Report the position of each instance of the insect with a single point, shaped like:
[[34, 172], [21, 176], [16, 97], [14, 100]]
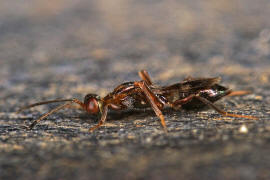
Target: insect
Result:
[[190, 93]]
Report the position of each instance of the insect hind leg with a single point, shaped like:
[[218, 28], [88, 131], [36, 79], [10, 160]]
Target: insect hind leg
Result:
[[220, 111], [239, 93]]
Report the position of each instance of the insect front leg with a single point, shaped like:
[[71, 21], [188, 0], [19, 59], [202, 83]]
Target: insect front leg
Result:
[[102, 119], [153, 100]]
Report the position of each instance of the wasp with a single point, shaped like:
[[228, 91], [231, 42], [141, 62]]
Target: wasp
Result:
[[188, 94]]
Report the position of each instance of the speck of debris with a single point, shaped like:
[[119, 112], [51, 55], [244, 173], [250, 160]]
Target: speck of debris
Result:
[[243, 129]]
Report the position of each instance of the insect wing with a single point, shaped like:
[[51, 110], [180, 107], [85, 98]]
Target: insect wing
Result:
[[192, 85]]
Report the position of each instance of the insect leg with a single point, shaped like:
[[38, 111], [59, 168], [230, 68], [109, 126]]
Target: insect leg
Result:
[[145, 77], [239, 93], [177, 104], [153, 100], [53, 110], [102, 119], [224, 113]]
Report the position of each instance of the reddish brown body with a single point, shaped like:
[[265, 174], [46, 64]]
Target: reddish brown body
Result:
[[190, 93]]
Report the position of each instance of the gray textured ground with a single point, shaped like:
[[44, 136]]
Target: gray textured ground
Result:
[[68, 49]]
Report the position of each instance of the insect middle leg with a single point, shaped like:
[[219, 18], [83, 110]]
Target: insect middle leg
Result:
[[153, 100], [145, 77]]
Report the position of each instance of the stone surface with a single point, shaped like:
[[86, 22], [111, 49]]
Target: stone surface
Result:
[[66, 50]]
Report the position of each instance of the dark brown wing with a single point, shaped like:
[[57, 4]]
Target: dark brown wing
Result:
[[192, 85]]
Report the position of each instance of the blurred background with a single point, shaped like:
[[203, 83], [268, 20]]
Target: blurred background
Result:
[[39, 30], [80, 39], [66, 48], [135, 32]]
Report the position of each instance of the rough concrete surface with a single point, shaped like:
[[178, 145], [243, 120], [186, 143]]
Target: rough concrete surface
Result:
[[67, 49]]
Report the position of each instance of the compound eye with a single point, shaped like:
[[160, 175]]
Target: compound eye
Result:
[[93, 106]]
